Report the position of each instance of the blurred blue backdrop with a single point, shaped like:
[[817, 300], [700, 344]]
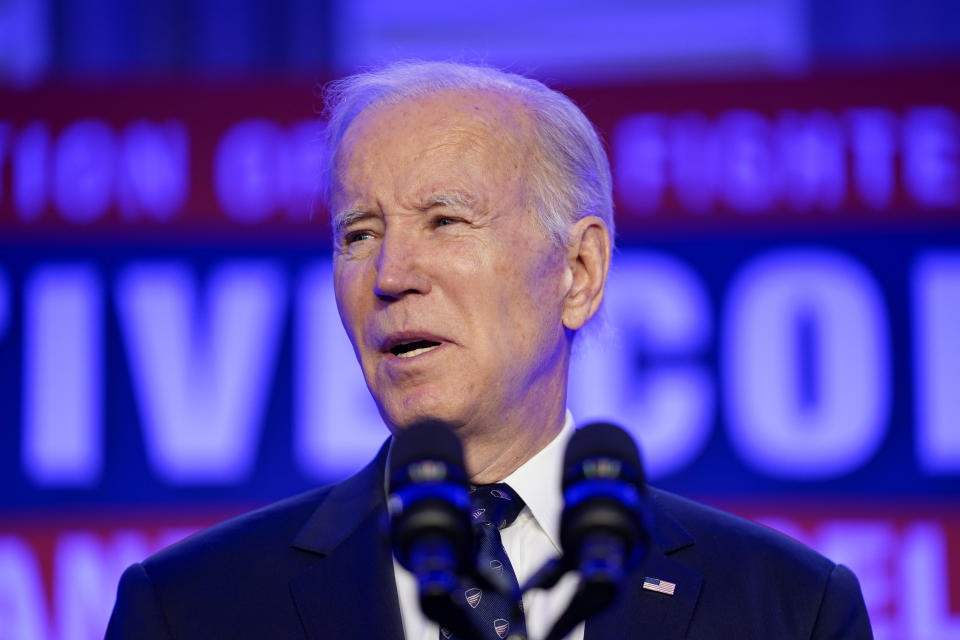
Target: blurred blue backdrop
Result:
[[783, 318]]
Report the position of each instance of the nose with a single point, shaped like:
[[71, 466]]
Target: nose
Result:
[[400, 267]]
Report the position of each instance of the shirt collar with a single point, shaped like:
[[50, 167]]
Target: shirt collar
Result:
[[537, 482]]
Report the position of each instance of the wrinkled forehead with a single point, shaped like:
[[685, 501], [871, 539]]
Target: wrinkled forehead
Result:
[[491, 126]]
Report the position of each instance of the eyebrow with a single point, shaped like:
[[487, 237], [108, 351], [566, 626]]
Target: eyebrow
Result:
[[455, 198], [347, 217]]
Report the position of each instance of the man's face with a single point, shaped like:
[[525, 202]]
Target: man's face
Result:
[[449, 289]]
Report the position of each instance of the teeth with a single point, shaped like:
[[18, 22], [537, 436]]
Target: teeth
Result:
[[414, 352]]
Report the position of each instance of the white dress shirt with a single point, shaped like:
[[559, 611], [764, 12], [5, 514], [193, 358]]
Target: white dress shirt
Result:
[[532, 539]]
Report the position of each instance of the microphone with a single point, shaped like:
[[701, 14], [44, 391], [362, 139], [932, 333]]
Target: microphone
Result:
[[429, 508], [603, 528]]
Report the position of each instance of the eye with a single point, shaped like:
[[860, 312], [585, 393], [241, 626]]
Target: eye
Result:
[[356, 236], [443, 221]]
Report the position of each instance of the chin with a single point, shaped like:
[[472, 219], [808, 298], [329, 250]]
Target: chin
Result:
[[411, 410]]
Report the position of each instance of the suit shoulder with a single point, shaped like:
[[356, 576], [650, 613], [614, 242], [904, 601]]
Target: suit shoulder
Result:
[[726, 538], [779, 587], [263, 541], [243, 535]]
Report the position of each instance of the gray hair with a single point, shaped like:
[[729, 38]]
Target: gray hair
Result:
[[573, 180]]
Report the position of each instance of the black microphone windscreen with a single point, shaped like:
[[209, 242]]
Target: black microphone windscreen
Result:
[[604, 440], [603, 527], [426, 440]]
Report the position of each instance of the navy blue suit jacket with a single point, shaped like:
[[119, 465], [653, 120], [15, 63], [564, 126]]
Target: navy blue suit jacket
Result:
[[318, 566]]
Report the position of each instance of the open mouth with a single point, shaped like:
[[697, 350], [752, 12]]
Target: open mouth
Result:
[[414, 348]]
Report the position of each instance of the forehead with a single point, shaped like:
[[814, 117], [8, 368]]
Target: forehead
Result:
[[444, 133]]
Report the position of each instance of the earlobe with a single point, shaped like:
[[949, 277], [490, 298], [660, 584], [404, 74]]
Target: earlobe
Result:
[[588, 257]]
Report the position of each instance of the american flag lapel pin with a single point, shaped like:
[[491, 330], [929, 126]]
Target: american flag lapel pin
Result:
[[658, 585]]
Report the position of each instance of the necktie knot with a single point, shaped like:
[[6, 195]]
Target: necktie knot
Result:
[[494, 504]]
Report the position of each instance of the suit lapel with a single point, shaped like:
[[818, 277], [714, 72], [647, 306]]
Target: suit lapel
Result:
[[350, 591], [640, 612]]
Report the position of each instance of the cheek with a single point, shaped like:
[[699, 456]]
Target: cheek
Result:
[[347, 292], [340, 293], [534, 297], [543, 275]]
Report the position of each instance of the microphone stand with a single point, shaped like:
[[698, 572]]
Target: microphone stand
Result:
[[433, 564], [601, 574]]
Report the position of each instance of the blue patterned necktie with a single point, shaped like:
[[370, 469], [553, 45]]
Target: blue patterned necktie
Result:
[[493, 507]]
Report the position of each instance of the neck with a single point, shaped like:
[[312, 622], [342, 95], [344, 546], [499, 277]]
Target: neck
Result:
[[497, 445], [492, 456]]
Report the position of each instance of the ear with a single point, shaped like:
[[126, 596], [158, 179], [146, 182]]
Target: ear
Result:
[[588, 259]]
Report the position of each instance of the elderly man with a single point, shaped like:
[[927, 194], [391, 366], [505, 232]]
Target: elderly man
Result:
[[472, 224]]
